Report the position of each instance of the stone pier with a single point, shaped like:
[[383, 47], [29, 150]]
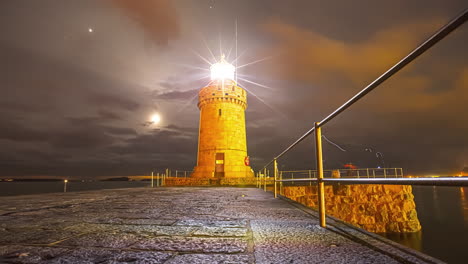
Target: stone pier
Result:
[[182, 225]]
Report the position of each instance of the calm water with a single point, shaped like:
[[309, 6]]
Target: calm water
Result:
[[443, 212], [19, 188]]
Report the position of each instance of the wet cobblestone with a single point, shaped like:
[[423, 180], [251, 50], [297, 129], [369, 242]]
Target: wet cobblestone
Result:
[[181, 225]]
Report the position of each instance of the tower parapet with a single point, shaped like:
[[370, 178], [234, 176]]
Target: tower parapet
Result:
[[226, 90]]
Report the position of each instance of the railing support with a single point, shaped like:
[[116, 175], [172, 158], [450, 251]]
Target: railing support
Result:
[[152, 179], [281, 183], [275, 174], [320, 184], [265, 179]]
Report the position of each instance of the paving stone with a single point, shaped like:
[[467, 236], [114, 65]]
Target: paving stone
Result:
[[211, 259], [220, 231], [194, 244], [34, 236], [25, 254], [215, 223], [106, 240], [153, 230], [148, 221], [110, 256]]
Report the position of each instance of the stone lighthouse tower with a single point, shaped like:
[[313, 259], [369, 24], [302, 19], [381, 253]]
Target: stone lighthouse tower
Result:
[[222, 143]]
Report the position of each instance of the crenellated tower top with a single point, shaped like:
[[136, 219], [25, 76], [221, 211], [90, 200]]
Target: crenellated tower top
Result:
[[222, 87]]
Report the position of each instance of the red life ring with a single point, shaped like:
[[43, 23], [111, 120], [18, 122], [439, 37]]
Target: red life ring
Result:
[[247, 161]]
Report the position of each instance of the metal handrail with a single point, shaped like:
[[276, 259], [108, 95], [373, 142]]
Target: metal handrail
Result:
[[442, 181], [431, 41], [361, 172]]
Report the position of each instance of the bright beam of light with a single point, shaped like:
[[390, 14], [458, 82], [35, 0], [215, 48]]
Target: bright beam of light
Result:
[[208, 48], [191, 67], [189, 102], [253, 62], [220, 45], [261, 100], [229, 53], [201, 57], [236, 59], [334, 144], [200, 78], [261, 85]]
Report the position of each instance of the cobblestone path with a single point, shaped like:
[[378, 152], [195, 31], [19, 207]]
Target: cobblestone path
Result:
[[181, 225]]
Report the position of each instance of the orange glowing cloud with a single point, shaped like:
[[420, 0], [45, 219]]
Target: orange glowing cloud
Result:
[[314, 58], [310, 55], [156, 17]]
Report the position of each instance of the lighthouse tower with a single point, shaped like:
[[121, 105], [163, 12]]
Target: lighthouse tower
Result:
[[222, 143]]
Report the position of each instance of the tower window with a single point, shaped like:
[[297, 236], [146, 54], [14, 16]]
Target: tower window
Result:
[[227, 94], [219, 112]]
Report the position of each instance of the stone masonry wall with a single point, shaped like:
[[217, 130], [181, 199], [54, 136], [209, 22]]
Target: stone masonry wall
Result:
[[173, 181], [375, 208], [222, 130]]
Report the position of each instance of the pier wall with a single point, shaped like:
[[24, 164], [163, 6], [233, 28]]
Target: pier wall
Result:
[[193, 181], [375, 208]]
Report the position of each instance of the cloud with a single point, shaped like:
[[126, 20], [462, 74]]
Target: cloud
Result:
[[14, 131], [177, 95], [157, 17], [308, 55], [113, 100]]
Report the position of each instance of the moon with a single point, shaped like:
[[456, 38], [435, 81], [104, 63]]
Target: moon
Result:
[[155, 118]]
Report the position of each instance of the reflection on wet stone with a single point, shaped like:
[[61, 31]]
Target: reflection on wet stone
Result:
[[173, 225]]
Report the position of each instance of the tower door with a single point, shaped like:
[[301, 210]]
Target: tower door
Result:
[[219, 165]]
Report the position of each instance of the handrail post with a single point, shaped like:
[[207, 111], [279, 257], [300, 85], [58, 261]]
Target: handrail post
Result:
[[281, 183], [265, 179], [152, 179], [256, 180], [275, 175], [320, 184], [260, 179]]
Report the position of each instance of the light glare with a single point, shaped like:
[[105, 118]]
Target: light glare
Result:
[[222, 70], [155, 118]]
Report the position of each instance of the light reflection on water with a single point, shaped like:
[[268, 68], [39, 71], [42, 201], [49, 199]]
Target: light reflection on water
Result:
[[443, 213], [464, 206]]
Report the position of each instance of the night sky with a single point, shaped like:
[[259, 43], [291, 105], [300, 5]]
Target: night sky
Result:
[[80, 79]]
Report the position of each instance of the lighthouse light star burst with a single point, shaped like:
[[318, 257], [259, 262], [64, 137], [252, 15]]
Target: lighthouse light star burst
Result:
[[222, 70]]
